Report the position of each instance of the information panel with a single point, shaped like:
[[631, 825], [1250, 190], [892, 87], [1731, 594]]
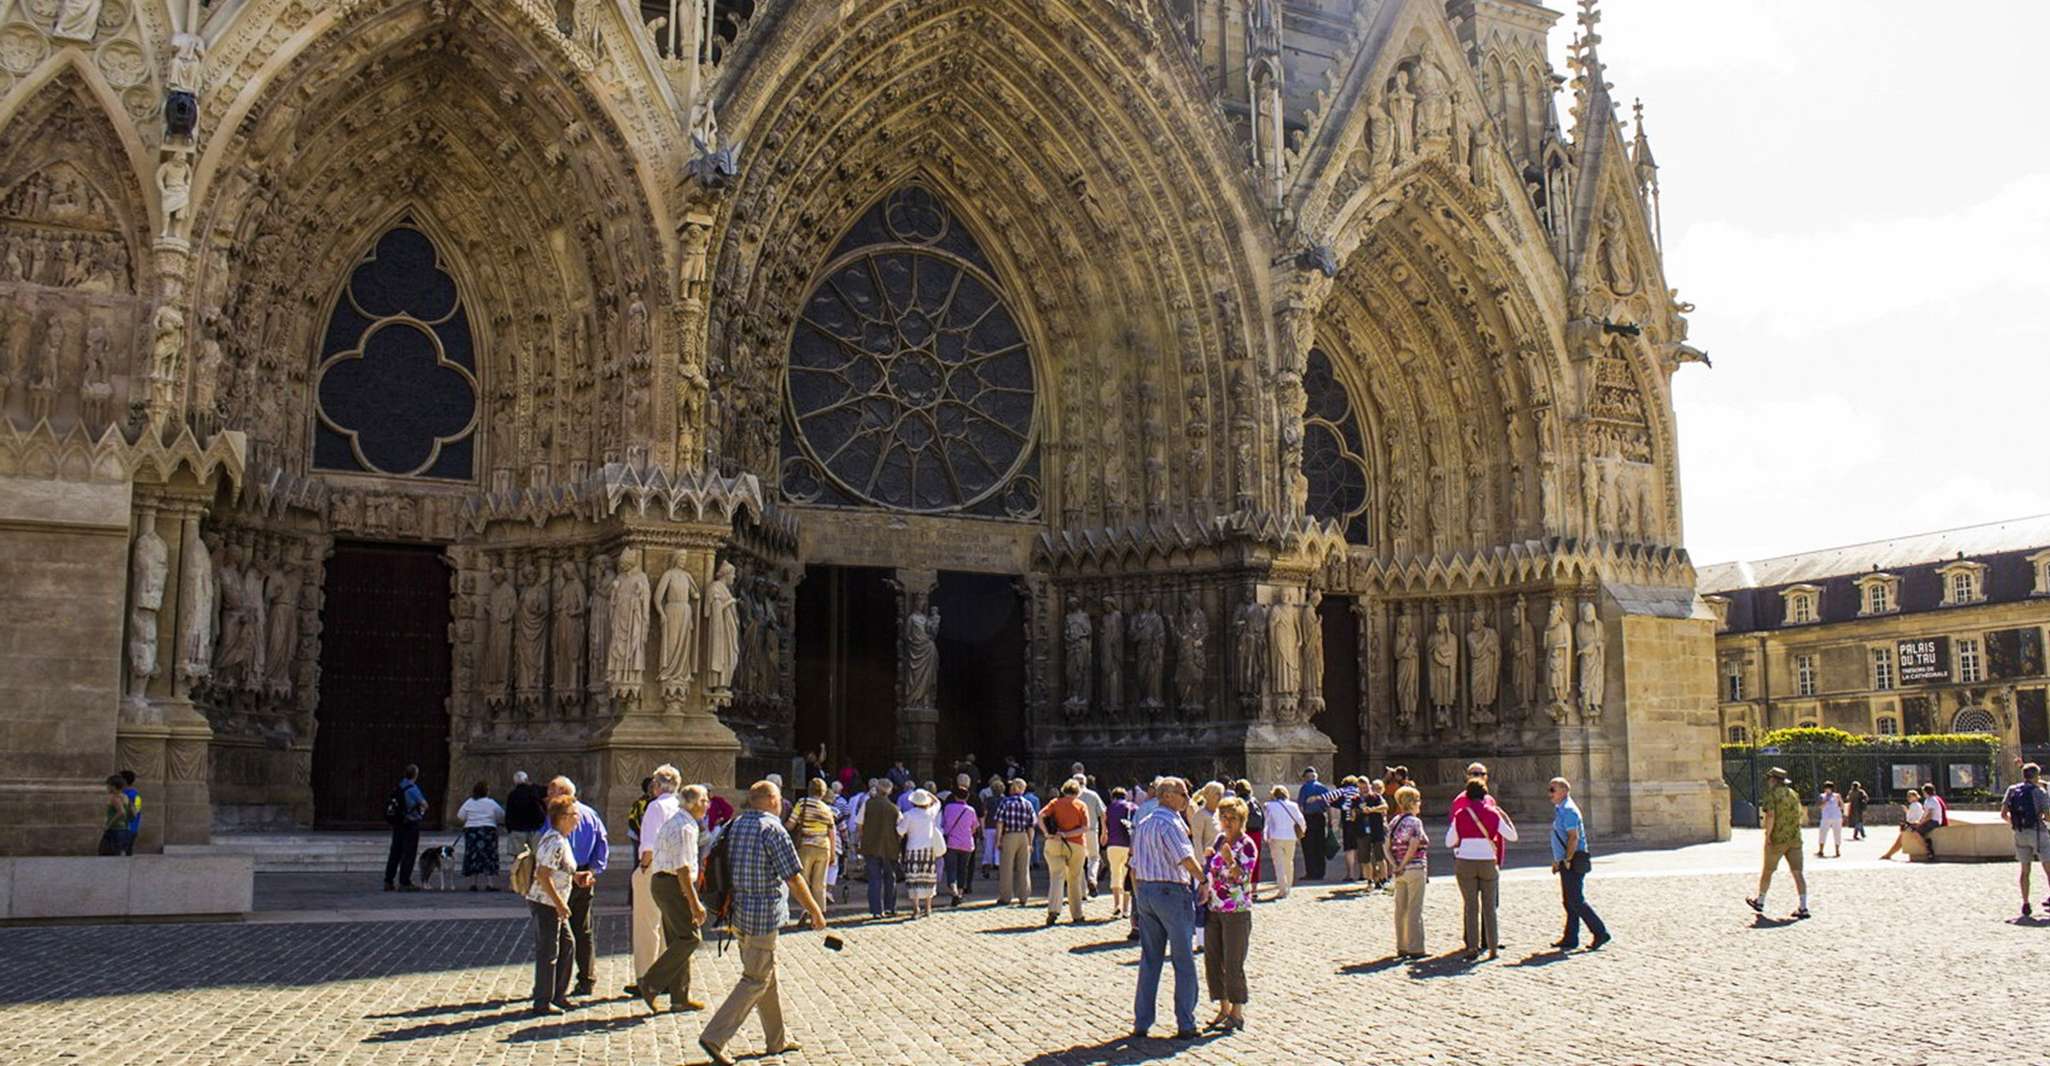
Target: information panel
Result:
[[1924, 660]]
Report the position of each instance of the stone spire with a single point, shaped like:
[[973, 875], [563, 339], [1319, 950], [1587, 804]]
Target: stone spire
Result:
[[1647, 172]]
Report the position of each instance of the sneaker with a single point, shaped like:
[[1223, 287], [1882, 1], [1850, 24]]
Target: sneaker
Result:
[[1757, 905]]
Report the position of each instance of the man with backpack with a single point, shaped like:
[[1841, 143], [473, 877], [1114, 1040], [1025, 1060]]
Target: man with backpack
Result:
[[403, 811], [762, 872], [2024, 807]]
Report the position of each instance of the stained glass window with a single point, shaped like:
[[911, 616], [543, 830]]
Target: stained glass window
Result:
[[1334, 454], [396, 388], [910, 385]]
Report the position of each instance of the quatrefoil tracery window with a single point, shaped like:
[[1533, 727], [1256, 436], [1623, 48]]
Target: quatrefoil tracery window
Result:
[[910, 385], [395, 392], [1334, 456]]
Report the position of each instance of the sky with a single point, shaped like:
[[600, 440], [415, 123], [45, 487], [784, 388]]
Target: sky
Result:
[[1856, 196]]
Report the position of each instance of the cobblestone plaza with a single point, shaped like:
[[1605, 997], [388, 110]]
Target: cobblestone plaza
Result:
[[1901, 964]]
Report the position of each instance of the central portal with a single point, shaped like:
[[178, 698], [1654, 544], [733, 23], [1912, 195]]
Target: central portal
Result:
[[384, 666]]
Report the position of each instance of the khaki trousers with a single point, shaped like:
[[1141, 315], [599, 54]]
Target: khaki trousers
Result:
[[1064, 867], [1409, 911], [670, 972], [646, 921], [1014, 868], [756, 988], [1480, 888], [815, 860], [1282, 852]]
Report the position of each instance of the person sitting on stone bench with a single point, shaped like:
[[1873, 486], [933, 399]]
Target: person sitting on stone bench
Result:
[[1935, 815], [1911, 820]]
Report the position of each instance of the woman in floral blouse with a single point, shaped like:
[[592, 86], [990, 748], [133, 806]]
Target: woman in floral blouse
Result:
[[1232, 870]]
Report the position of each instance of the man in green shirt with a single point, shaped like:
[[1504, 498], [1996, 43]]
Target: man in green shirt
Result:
[[1781, 812]]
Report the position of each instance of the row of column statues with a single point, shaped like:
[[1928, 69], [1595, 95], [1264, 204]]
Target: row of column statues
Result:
[[549, 630], [1438, 658], [1276, 649]]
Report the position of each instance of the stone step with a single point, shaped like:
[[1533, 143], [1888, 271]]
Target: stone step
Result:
[[307, 852]]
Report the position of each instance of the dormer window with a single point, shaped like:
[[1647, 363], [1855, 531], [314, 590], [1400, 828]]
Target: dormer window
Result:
[[1878, 594], [1803, 604], [2039, 564], [1963, 582]]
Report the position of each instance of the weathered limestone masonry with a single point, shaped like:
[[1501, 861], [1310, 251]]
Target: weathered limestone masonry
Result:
[[487, 384]]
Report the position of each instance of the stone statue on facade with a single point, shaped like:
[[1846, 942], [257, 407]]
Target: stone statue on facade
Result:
[[232, 649], [1617, 270], [196, 594], [1110, 645], [174, 185], [149, 570], [1249, 647], [921, 656], [1593, 645], [77, 20], [281, 594], [571, 605], [1522, 655], [1433, 106], [256, 627], [1558, 660], [638, 342], [501, 611], [676, 599], [1284, 648], [599, 627], [1076, 640], [533, 634], [1407, 664], [185, 71], [1312, 627], [1149, 657], [626, 655], [1444, 650], [1192, 633], [722, 630], [95, 391], [1402, 105], [42, 371], [1484, 666]]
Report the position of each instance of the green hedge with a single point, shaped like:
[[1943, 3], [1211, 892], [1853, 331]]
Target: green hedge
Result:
[[1832, 740], [1832, 754]]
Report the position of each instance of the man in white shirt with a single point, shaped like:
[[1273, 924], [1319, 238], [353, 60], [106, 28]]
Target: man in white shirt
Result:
[[1285, 827], [1092, 862], [673, 886], [647, 922]]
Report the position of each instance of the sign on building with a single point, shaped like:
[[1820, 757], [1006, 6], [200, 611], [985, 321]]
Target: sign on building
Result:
[[1923, 661]]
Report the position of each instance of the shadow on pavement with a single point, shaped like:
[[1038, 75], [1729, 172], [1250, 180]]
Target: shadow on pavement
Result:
[[1542, 958], [1106, 945], [430, 1030], [1120, 1051], [570, 1026], [449, 1008], [1376, 966]]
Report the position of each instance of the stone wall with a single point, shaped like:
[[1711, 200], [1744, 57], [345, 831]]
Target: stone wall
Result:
[[1666, 677]]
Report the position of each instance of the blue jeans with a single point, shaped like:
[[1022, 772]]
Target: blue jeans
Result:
[[882, 886], [1166, 914], [1573, 893]]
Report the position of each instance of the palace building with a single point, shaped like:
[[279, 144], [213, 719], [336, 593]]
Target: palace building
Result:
[[1933, 633], [579, 385]]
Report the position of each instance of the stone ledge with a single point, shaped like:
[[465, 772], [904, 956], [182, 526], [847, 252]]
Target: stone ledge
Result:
[[125, 887]]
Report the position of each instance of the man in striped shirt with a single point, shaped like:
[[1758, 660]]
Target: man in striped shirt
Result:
[[1164, 867]]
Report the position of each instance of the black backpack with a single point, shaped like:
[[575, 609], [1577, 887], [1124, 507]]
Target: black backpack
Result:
[[1256, 819], [2022, 811], [715, 890], [395, 806]]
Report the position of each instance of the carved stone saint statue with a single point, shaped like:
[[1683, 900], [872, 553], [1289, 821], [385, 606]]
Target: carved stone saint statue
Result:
[[1484, 666], [533, 633], [921, 657], [196, 594], [1522, 655], [1110, 644], [95, 391], [1285, 649], [1076, 631], [1402, 115], [676, 597], [1192, 632], [281, 595], [174, 182], [722, 629], [638, 342], [1593, 657], [1434, 103], [501, 609], [1444, 648], [185, 73], [1249, 646], [255, 632], [626, 646], [149, 568], [1558, 659], [1313, 656], [567, 647], [1149, 657], [232, 650], [600, 615], [76, 20], [1406, 669]]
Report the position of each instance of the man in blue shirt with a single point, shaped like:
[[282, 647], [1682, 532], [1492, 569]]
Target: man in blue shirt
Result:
[[404, 810], [134, 797], [587, 845], [765, 872], [1315, 811], [1571, 861]]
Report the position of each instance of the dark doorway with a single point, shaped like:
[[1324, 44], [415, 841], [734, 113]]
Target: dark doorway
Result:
[[1341, 718], [384, 673], [982, 670], [847, 666]]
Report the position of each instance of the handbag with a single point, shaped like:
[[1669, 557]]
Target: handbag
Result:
[[1332, 846]]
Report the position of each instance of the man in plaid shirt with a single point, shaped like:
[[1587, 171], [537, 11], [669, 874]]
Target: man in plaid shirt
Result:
[[765, 868], [1016, 819]]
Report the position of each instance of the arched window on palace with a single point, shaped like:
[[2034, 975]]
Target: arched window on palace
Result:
[[395, 391], [1973, 720], [1334, 452], [910, 384]]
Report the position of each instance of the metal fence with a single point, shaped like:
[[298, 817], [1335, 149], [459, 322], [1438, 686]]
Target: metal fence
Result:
[[1961, 775]]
